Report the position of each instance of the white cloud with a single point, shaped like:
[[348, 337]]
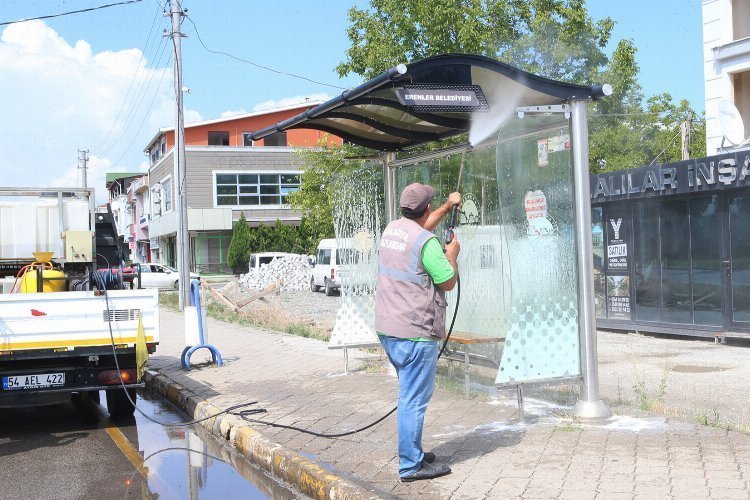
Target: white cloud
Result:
[[289, 101], [233, 112], [58, 97]]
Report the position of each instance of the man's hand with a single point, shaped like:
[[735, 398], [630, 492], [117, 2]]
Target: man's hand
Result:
[[454, 199], [452, 250]]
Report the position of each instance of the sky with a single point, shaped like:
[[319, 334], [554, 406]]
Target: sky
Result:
[[102, 81]]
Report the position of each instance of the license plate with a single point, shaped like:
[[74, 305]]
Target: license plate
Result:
[[40, 381]]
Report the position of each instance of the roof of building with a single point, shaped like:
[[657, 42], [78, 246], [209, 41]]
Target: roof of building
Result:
[[374, 115], [239, 116], [113, 176]]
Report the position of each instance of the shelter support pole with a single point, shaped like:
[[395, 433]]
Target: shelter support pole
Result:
[[389, 181], [590, 405]]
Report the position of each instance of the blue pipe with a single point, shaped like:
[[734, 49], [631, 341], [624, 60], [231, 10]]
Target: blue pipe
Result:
[[195, 300]]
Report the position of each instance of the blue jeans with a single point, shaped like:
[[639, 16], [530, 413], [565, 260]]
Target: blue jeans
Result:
[[415, 364]]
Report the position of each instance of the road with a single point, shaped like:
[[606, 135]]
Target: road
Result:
[[68, 451]]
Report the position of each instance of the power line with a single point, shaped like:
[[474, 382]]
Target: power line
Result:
[[256, 64], [71, 12], [132, 80], [145, 117], [141, 93], [132, 113]]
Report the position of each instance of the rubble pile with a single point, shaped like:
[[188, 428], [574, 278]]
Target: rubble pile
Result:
[[294, 272]]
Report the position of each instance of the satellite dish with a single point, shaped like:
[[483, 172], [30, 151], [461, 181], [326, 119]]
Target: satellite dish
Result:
[[730, 121]]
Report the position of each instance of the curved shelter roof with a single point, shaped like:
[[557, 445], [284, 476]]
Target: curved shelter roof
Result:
[[372, 114]]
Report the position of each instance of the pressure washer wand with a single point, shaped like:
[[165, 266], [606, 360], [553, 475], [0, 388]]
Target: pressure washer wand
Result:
[[453, 222]]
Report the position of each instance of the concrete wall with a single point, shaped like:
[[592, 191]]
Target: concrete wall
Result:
[[725, 56]]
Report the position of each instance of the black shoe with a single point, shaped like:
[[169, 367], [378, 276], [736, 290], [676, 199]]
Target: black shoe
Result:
[[429, 457], [428, 471]]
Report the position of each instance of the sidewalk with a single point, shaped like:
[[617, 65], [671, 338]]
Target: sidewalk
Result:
[[299, 382]]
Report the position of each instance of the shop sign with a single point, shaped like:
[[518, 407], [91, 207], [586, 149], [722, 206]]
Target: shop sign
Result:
[[154, 243], [699, 175], [617, 243], [618, 297], [443, 98]]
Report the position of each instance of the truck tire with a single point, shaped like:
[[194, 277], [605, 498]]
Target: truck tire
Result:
[[118, 404], [313, 286], [328, 288]]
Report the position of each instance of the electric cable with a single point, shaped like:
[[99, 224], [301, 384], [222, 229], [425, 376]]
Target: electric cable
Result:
[[50, 16], [133, 111], [256, 64], [132, 81]]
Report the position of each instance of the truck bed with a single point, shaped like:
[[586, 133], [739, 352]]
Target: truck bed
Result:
[[68, 321]]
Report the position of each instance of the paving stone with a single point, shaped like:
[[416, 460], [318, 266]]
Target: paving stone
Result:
[[722, 493], [293, 378]]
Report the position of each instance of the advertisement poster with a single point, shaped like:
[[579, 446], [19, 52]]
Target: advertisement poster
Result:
[[618, 297], [618, 256]]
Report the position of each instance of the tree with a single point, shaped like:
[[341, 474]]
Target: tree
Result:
[[314, 198], [552, 38], [239, 248]]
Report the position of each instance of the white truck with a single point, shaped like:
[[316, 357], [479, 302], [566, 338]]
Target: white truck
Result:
[[63, 322]]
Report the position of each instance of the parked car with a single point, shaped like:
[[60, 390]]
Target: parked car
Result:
[[160, 276]]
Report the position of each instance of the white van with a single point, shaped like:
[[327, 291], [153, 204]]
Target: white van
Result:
[[259, 259], [325, 273]]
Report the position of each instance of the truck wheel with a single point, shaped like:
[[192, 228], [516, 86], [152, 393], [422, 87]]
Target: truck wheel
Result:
[[313, 286], [329, 288], [118, 404]]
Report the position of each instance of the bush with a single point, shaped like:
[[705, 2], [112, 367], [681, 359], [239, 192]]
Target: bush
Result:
[[239, 248]]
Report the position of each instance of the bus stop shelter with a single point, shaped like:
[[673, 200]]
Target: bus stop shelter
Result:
[[526, 261]]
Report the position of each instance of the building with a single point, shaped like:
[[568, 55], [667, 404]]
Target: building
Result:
[[227, 173], [671, 245], [139, 198], [726, 56], [121, 187]]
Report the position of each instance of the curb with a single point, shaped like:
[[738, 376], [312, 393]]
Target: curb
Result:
[[308, 477]]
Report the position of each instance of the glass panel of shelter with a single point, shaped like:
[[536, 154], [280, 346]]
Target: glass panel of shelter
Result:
[[517, 263]]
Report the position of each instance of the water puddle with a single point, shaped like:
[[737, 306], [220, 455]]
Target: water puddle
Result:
[[187, 462]]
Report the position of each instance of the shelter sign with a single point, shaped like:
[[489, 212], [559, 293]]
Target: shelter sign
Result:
[[441, 98]]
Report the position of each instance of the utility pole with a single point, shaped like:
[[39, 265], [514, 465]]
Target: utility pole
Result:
[[686, 131], [183, 237], [83, 165]]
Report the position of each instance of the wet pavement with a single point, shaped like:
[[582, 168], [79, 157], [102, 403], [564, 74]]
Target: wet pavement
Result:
[[74, 451], [634, 454]]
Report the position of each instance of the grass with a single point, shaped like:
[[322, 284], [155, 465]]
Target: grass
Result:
[[269, 317]]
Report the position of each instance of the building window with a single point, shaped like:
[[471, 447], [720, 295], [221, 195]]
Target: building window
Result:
[[741, 84], [255, 189], [218, 138], [247, 140], [275, 139], [166, 195], [740, 19]]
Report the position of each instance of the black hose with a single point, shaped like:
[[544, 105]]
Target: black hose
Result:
[[245, 413]]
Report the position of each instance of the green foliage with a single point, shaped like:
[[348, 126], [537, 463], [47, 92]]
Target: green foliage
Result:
[[314, 198], [556, 39], [639, 135], [239, 248], [552, 38]]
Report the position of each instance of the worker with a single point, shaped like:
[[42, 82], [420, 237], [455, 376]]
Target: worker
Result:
[[414, 272]]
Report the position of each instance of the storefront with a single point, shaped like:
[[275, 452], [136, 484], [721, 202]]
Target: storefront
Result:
[[672, 247]]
